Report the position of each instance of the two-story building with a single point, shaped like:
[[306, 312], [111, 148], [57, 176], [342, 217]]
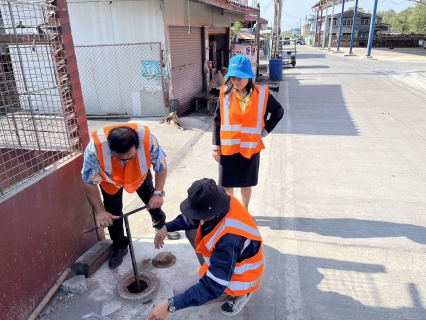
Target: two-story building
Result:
[[362, 26]]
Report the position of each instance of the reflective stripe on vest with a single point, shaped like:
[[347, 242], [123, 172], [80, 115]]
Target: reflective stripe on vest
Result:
[[106, 157], [247, 273], [237, 285], [107, 153], [248, 266], [116, 174], [227, 127], [216, 279], [235, 224], [230, 142]]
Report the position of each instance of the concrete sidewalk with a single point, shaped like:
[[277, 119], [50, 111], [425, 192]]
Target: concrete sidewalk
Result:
[[340, 201]]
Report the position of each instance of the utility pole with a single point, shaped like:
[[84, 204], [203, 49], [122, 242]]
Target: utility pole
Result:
[[258, 38], [276, 29]]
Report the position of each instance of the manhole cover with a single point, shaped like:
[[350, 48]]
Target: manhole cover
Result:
[[164, 260]]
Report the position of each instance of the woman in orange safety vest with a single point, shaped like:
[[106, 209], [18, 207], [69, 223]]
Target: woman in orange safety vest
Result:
[[239, 126]]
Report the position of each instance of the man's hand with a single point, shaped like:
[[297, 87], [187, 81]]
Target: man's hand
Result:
[[105, 219], [155, 202], [216, 155], [159, 238], [160, 312]]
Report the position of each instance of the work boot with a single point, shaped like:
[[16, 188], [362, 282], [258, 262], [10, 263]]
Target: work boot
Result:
[[117, 257], [233, 307]]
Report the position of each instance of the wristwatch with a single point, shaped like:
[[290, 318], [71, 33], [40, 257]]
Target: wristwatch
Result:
[[171, 308], [160, 193]]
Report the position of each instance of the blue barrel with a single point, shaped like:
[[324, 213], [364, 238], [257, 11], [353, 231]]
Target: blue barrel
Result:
[[276, 69]]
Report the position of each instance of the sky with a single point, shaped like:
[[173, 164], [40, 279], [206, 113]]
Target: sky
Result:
[[296, 10]]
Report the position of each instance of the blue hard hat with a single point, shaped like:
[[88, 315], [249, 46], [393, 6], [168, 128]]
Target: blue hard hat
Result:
[[240, 67]]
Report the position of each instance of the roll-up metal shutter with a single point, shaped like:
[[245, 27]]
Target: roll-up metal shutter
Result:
[[187, 65]]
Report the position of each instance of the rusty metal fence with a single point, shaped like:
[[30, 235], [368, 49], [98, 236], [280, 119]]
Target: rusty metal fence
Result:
[[38, 124], [123, 80]]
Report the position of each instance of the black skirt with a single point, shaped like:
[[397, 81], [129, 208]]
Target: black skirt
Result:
[[236, 171]]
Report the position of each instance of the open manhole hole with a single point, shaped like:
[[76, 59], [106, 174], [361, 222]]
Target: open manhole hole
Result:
[[164, 260], [128, 288], [133, 287]]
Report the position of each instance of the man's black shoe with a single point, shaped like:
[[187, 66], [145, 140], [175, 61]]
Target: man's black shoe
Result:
[[117, 257]]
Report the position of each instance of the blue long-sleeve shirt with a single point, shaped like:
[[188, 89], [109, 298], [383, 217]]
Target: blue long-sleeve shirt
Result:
[[226, 253]]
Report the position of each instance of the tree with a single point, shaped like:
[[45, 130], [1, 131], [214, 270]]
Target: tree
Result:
[[360, 9], [235, 29], [417, 19], [400, 23], [387, 16]]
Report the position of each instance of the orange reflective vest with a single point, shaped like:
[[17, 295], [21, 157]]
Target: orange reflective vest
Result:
[[114, 175], [241, 132], [247, 273]]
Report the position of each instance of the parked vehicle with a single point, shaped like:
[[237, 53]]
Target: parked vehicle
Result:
[[300, 41], [289, 53]]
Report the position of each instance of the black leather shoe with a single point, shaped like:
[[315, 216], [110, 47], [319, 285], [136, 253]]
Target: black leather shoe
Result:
[[117, 257]]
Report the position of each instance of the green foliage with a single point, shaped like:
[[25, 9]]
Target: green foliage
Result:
[[400, 23], [417, 19], [360, 9], [412, 19], [235, 29], [387, 16]]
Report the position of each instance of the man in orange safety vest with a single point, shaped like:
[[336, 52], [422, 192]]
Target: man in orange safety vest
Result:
[[120, 157]]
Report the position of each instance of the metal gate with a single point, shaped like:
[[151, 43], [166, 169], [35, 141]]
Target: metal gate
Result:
[[187, 66], [123, 80]]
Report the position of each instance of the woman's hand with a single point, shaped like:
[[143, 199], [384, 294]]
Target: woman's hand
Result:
[[216, 155]]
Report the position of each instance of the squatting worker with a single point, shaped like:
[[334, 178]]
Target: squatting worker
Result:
[[229, 248], [239, 126], [120, 157]]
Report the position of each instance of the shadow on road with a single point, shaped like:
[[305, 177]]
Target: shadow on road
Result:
[[345, 228]]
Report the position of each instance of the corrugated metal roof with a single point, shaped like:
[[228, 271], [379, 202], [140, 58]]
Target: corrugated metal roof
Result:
[[322, 4], [229, 5]]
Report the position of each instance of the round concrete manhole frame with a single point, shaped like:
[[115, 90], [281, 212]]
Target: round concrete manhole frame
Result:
[[146, 295]]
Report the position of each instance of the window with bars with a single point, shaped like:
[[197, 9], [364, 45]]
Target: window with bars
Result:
[[348, 22], [365, 21], [334, 22], [38, 122]]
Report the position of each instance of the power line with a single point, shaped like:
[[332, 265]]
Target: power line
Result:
[[297, 17], [267, 7]]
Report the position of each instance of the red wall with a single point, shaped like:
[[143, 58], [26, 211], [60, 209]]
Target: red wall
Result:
[[42, 235]]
